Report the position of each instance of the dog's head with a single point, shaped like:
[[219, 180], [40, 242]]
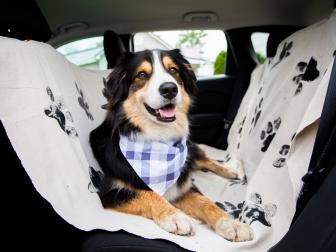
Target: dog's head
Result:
[[152, 92]]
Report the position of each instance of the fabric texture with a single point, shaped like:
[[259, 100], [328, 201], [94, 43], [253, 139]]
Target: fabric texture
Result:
[[49, 106], [158, 164]]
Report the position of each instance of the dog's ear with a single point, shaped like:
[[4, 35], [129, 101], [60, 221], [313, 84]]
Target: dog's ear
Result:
[[186, 72], [116, 87]]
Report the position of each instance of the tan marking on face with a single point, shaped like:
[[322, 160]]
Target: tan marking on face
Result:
[[146, 67], [168, 63], [138, 83]]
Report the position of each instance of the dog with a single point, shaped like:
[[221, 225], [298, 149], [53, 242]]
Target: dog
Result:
[[149, 95]]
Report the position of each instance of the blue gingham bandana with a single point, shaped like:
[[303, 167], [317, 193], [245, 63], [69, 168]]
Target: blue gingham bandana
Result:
[[158, 164]]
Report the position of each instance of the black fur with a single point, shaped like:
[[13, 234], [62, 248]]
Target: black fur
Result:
[[104, 140]]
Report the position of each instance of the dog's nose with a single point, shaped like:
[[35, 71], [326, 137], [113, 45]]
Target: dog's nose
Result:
[[168, 90]]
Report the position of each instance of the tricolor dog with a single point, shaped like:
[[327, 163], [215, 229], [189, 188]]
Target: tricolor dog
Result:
[[144, 150]]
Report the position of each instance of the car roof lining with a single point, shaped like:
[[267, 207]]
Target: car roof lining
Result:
[[129, 17], [65, 20]]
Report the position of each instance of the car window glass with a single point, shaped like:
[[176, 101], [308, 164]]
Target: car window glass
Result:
[[87, 53], [204, 49], [259, 42]]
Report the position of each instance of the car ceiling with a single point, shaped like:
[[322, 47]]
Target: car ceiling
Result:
[[74, 18]]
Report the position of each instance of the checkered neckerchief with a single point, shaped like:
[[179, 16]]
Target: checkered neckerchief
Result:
[[158, 164]]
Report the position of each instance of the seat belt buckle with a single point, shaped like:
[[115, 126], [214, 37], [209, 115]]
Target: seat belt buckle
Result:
[[312, 175], [227, 124]]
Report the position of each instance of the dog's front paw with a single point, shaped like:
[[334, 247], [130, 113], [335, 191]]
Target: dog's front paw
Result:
[[237, 169], [177, 223], [233, 230]]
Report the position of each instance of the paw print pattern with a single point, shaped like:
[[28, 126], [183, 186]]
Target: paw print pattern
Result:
[[285, 52], [256, 198], [240, 130], [96, 177], [60, 113], [227, 158], [83, 103], [268, 134], [308, 72], [260, 89], [281, 161], [257, 112], [231, 209], [249, 213]]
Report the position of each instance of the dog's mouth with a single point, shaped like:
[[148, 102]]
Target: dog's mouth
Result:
[[166, 113]]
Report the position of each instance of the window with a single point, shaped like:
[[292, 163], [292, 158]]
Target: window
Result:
[[87, 53], [204, 49], [259, 42]]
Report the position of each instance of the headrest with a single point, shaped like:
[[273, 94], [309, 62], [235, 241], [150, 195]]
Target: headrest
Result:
[[113, 47]]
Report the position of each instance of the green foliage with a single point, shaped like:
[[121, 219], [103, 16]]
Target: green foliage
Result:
[[219, 64], [191, 38], [261, 58]]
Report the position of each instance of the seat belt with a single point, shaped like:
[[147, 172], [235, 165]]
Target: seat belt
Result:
[[325, 134], [240, 87]]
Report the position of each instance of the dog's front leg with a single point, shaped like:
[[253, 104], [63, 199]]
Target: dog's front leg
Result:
[[223, 170], [200, 207], [152, 206]]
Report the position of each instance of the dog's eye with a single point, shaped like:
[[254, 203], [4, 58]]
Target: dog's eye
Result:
[[142, 76], [173, 70]]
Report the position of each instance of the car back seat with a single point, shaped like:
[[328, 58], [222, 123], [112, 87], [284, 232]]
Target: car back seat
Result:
[[45, 97]]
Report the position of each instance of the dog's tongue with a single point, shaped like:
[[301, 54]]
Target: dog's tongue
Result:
[[167, 112]]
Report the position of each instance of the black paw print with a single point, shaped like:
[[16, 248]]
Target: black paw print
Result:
[[281, 161], [308, 72], [240, 130], [96, 178], [227, 158], [249, 213], [285, 52], [83, 103], [58, 111], [257, 113], [260, 89], [267, 135], [257, 212], [231, 209], [293, 136]]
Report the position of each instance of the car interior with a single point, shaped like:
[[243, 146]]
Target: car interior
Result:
[[32, 222]]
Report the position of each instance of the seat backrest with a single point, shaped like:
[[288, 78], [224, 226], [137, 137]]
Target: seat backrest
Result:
[[53, 105], [282, 93]]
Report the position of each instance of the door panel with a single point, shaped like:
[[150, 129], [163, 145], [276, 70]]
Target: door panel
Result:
[[210, 108]]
